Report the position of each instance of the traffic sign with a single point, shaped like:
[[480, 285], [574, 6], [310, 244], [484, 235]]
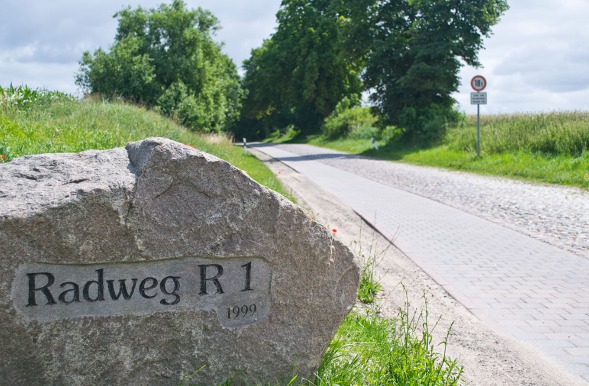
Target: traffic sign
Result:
[[478, 83], [478, 98]]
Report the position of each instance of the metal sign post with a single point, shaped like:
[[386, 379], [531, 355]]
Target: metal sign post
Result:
[[478, 130], [478, 83]]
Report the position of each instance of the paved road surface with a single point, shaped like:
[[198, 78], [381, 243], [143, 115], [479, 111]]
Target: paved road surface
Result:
[[515, 254]]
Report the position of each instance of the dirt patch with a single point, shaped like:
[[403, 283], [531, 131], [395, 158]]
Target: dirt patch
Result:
[[488, 356]]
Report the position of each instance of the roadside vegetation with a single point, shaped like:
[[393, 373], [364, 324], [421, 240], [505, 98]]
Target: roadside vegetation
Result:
[[307, 77], [546, 147], [165, 58], [367, 349], [34, 122], [404, 55]]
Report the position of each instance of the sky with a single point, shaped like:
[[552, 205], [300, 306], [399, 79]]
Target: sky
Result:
[[537, 59]]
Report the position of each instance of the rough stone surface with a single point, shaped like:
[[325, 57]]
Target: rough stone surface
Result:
[[75, 228]]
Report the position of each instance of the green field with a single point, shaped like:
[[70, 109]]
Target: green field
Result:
[[549, 148]]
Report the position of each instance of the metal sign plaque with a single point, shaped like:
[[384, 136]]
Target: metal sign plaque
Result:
[[478, 98]]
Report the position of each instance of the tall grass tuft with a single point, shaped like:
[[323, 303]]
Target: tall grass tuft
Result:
[[371, 350], [369, 285], [558, 133]]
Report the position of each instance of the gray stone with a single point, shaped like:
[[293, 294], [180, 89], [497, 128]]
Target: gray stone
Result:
[[144, 264]]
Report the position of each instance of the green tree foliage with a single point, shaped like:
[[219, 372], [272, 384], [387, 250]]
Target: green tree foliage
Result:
[[166, 58], [300, 74], [349, 119], [408, 52], [413, 51]]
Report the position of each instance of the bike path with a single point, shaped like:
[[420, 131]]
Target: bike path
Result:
[[531, 290]]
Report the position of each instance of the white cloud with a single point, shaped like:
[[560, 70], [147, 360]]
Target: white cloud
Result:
[[50, 76], [537, 60], [41, 42]]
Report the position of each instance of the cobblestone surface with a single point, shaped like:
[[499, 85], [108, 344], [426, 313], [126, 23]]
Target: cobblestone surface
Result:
[[554, 214], [515, 254]]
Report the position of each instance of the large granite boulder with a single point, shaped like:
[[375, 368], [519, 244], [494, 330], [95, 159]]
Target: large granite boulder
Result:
[[155, 262]]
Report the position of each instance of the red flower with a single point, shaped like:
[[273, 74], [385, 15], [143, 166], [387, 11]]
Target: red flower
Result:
[[2, 156], [334, 231]]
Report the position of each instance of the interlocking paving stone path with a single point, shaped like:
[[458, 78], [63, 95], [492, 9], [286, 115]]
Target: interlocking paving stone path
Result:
[[535, 291]]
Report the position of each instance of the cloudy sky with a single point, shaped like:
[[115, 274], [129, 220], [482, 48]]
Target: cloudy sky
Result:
[[537, 59]]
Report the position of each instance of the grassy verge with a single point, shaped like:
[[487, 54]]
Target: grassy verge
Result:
[[371, 350], [550, 148], [35, 122]]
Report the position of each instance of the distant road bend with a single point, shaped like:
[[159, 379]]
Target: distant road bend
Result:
[[516, 254]]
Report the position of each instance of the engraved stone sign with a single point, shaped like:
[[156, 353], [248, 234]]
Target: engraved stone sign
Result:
[[238, 289], [158, 264]]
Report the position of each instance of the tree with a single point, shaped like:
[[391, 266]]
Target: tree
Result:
[[407, 52], [413, 55], [300, 74], [166, 58]]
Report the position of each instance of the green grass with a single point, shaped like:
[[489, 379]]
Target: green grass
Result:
[[369, 349], [369, 285], [372, 350], [550, 148], [565, 133], [55, 123]]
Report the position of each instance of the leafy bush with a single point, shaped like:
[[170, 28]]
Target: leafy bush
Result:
[[390, 134], [365, 132], [166, 58], [427, 126], [356, 122]]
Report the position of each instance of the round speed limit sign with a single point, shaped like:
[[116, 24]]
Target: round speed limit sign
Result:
[[478, 83]]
